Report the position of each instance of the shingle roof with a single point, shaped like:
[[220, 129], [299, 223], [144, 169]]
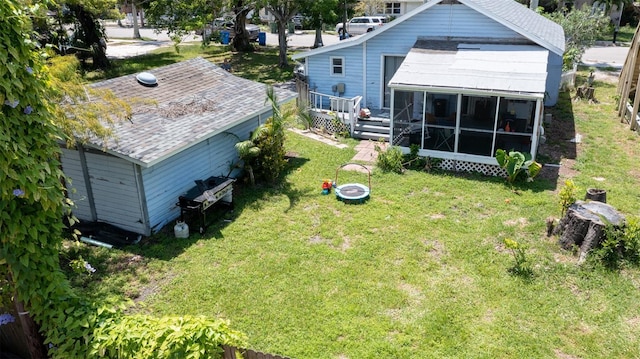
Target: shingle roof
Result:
[[510, 13], [522, 20], [193, 101]]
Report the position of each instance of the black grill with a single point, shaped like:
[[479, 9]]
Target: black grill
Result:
[[204, 195]]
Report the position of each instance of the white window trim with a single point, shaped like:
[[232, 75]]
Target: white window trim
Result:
[[342, 59], [389, 10]]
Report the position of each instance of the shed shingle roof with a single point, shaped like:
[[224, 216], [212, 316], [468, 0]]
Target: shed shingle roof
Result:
[[194, 100]]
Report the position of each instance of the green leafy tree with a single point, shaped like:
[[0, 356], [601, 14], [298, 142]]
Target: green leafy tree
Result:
[[370, 7], [89, 35], [609, 4], [320, 12], [581, 30], [32, 208], [283, 11], [180, 17]]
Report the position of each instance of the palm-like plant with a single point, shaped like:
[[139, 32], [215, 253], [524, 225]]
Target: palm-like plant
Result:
[[264, 151]]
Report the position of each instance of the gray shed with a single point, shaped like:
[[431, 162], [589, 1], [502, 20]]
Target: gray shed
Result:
[[134, 180]]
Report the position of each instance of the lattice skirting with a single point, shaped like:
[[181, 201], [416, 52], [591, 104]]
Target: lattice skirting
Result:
[[328, 123], [464, 166]]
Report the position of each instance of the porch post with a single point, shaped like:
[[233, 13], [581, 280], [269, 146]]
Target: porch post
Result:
[[536, 129], [391, 115]]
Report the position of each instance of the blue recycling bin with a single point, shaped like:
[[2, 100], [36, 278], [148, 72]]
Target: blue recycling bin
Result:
[[262, 38], [224, 37]]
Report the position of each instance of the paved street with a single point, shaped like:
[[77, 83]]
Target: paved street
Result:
[[121, 43], [605, 55]]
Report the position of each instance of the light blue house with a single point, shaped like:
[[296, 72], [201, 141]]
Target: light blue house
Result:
[[183, 135], [458, 78]]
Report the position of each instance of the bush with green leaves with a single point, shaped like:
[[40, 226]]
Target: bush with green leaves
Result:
[[567, 196], [621, 245], [521, 265], [390, 159], [32, 208], [269, 161], [582, 28]]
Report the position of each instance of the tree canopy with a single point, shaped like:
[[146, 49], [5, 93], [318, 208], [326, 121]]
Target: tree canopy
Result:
[[581, 30]]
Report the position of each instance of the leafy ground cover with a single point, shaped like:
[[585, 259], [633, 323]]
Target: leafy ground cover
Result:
[[418, 271]]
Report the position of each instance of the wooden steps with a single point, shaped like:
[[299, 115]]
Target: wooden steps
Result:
[[372, 130]]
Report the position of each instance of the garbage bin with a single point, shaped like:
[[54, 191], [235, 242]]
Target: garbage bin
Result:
[[274, 27], [262, 38], [224, 37], [291, 27]]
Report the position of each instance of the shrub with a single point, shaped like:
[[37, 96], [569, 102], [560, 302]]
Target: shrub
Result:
[[621, 246], [521, 266], [567, 196], [389, 160]]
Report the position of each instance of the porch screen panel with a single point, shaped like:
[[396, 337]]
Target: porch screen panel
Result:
[[440, 122], [408, 118], [515, 126], [391, 65], [477, 125]]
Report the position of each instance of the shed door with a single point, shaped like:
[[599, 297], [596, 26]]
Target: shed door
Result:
[[115, 192], [77, 189]]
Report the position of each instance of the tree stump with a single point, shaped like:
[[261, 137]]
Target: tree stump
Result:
[[596, 194], [585, 92], [583, 225]]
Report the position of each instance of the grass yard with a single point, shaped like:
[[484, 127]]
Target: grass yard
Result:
[[418, 271]]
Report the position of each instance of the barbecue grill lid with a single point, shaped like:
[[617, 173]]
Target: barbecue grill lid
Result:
[[147, 79]]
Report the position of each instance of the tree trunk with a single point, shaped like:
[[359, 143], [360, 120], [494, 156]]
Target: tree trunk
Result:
[[241, 39], [318, 40], [35, 342], [584, 223], [595, 194], [282, 45], [136, 28], [93, 36]]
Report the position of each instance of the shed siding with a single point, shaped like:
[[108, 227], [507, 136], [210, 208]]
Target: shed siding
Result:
[[76, 186], [166, 181], [554, 76], [454, 20], [115, 192]]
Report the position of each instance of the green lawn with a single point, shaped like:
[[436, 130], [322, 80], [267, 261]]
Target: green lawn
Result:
[[418, 271]]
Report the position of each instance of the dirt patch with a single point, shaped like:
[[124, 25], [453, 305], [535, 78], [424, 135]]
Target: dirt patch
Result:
[[561, 355], [521, 222]]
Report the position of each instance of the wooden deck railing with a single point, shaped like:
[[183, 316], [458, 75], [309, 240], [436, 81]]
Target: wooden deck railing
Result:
[[347, 109]]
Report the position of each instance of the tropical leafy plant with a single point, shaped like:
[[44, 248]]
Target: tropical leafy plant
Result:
[[263, 153], [518, 164]]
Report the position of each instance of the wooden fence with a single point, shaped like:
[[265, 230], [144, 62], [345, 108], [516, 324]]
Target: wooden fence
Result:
[[242, 353]]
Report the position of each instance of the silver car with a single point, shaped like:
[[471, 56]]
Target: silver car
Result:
[[361, 25]]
